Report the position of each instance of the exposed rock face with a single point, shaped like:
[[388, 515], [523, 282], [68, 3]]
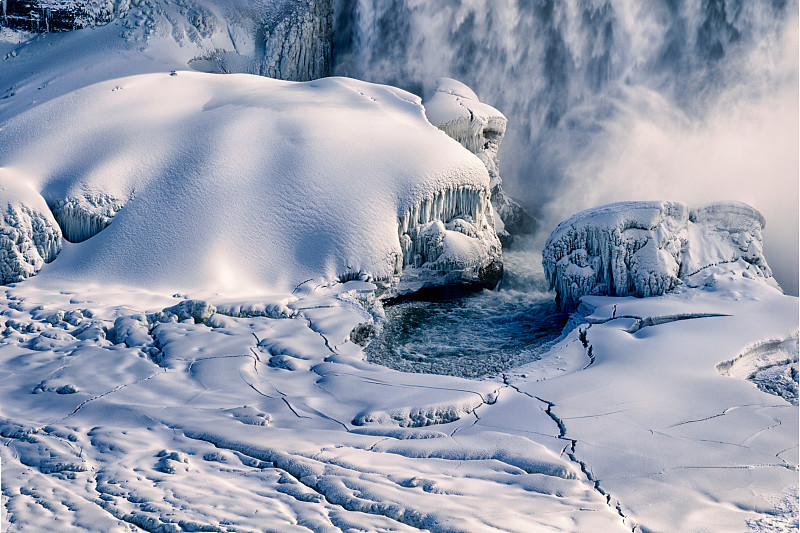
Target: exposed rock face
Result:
[[298, 46], [648, 248], [455, 109], [29, 235], [59, 15]]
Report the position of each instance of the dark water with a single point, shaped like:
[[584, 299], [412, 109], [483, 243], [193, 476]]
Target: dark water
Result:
[[476, 334]]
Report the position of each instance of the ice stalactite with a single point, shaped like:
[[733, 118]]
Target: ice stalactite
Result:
[[456, 110], [451, 233], [82, 217], [648, 248], [29, 235]]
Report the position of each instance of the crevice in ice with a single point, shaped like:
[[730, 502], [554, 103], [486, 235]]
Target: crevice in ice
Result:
[[570, 450], [106, 393]]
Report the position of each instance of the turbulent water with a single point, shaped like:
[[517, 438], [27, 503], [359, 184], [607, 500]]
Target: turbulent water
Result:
[[477, 334], [688, 100]]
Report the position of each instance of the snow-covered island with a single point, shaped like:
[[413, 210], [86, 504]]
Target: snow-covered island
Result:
[[196, 259]]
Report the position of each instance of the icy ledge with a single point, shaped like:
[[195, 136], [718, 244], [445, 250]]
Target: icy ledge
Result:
[[456, 110], [648, 248], [449, 238], [29, 235]]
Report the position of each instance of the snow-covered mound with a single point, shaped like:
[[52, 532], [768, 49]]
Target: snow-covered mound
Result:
[[648, 248], [455, 109], [29, 235], [238, 180]]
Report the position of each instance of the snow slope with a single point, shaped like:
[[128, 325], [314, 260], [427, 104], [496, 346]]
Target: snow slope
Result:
[[249, 181]]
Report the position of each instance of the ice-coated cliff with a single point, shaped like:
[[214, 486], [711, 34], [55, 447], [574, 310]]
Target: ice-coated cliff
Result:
[[237, 181], [648, 248], [455, 109], [29, 235], [298, 46]]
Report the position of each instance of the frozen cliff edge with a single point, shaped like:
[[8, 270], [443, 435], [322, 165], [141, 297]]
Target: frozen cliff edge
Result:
[[648, 248], [29, 235], [455, 109]]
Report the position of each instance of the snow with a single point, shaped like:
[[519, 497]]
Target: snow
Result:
[[197, 360], [649, 248], [278, 170]]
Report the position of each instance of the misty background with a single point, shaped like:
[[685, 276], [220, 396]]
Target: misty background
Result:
[[611, 100]]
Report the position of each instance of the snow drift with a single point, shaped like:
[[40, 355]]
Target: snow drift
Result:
[[456, 110], [234, 181], [648, 248]]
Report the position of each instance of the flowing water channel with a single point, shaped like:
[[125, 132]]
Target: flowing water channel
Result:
[[477, 334]]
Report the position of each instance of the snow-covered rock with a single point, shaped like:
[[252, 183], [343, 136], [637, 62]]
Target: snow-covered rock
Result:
[[240, 180], [648, 248], [29, 235], [456, 110]]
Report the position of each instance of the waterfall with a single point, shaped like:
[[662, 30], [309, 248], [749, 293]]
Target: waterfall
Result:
[[608, 99]]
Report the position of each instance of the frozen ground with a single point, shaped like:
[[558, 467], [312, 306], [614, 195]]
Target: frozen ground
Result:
[[125, 409]]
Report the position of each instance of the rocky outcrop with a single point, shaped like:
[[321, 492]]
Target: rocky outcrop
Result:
[[648, 248]]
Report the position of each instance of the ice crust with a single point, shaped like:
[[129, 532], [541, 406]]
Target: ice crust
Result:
[[240, 180], [456, 110], [648, 248], [29, 235], [298, 47]]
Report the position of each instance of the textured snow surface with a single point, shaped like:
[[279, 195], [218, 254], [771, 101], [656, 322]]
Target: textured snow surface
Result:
[[455, 109], [648, 248], [241, 180], [29, 235], [123, 409]]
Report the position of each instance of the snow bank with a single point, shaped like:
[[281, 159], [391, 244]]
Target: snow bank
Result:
[[648, 248], [29, 235], [456, 110], [238, 181]]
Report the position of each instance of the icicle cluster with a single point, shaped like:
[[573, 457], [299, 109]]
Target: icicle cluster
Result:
[[647, 248], [29, 238], [456, 110], [82, 217], [451, 231]]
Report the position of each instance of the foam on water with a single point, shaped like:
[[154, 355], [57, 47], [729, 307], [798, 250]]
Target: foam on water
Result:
[[481, 333]]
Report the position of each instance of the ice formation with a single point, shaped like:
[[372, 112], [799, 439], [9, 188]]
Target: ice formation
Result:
[[242, 180], [81, 217], [648, 248], [29, 235], [452, 234], [298, 47], [456, 110]]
